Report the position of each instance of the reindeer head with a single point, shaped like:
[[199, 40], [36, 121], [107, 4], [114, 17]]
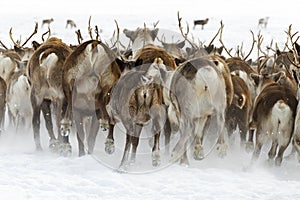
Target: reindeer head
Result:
[[261, 81]]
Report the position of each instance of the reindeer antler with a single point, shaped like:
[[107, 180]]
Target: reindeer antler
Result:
[[34, 32], [220, 39], [291, 38], [155, 24], [12, 39], [47, 32], [3, 45], [89, 28], [79, 36], [252, 46], [118, 34], [18, 43], [187, 31]]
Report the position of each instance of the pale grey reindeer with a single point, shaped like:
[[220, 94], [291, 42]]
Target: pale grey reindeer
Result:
[[197, 92], [140, 38], [263, 22], [18, 101], [47, 22]]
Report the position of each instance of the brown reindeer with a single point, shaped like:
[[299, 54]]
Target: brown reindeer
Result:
[[45, 75], [70, 23], [273, 115], [3, 88], [47, 22], [296, 134], [135, 101], [201, 22], [89, 73], [238, 112]]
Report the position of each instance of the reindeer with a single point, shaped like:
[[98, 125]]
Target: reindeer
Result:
[[47, 22], [70, 23], [140, 38], [45, 75], [175, 50], [263, 22], [201, 22], [89, 74], [296, 134], [197, 93], [3, 89], [273, 115], [18, 100], [137, 103], [238, 112]]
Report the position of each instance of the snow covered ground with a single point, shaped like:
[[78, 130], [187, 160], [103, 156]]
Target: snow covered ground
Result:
[[27, 174]]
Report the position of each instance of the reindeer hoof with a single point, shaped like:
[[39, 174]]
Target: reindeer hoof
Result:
[[39, 148], [198, 152], [109, 146], [278, 161], [54, 145], [222, 150], [65, 150], [249, 147], [155, 159]]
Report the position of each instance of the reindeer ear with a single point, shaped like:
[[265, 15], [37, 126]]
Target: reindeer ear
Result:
[[138, 62], [180, 45], [219, 50], [154, 33], [19, 50], [130, 34], [120, 63], [255, 77], [35, 45]]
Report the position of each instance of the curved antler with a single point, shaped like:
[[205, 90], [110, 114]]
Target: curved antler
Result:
[[220, 39], [187, 31], [18, 43]]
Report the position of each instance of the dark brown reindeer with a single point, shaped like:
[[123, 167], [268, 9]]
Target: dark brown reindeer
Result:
[[89, 73], [136, 100], [273, 115], [238, 112], [201, 22], [3, 89], [45, 75]]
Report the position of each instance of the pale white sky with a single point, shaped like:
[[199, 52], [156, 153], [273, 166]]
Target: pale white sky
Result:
[[155, 7]]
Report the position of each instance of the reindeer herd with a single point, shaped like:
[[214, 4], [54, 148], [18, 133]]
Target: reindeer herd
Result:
[[171, 89]]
